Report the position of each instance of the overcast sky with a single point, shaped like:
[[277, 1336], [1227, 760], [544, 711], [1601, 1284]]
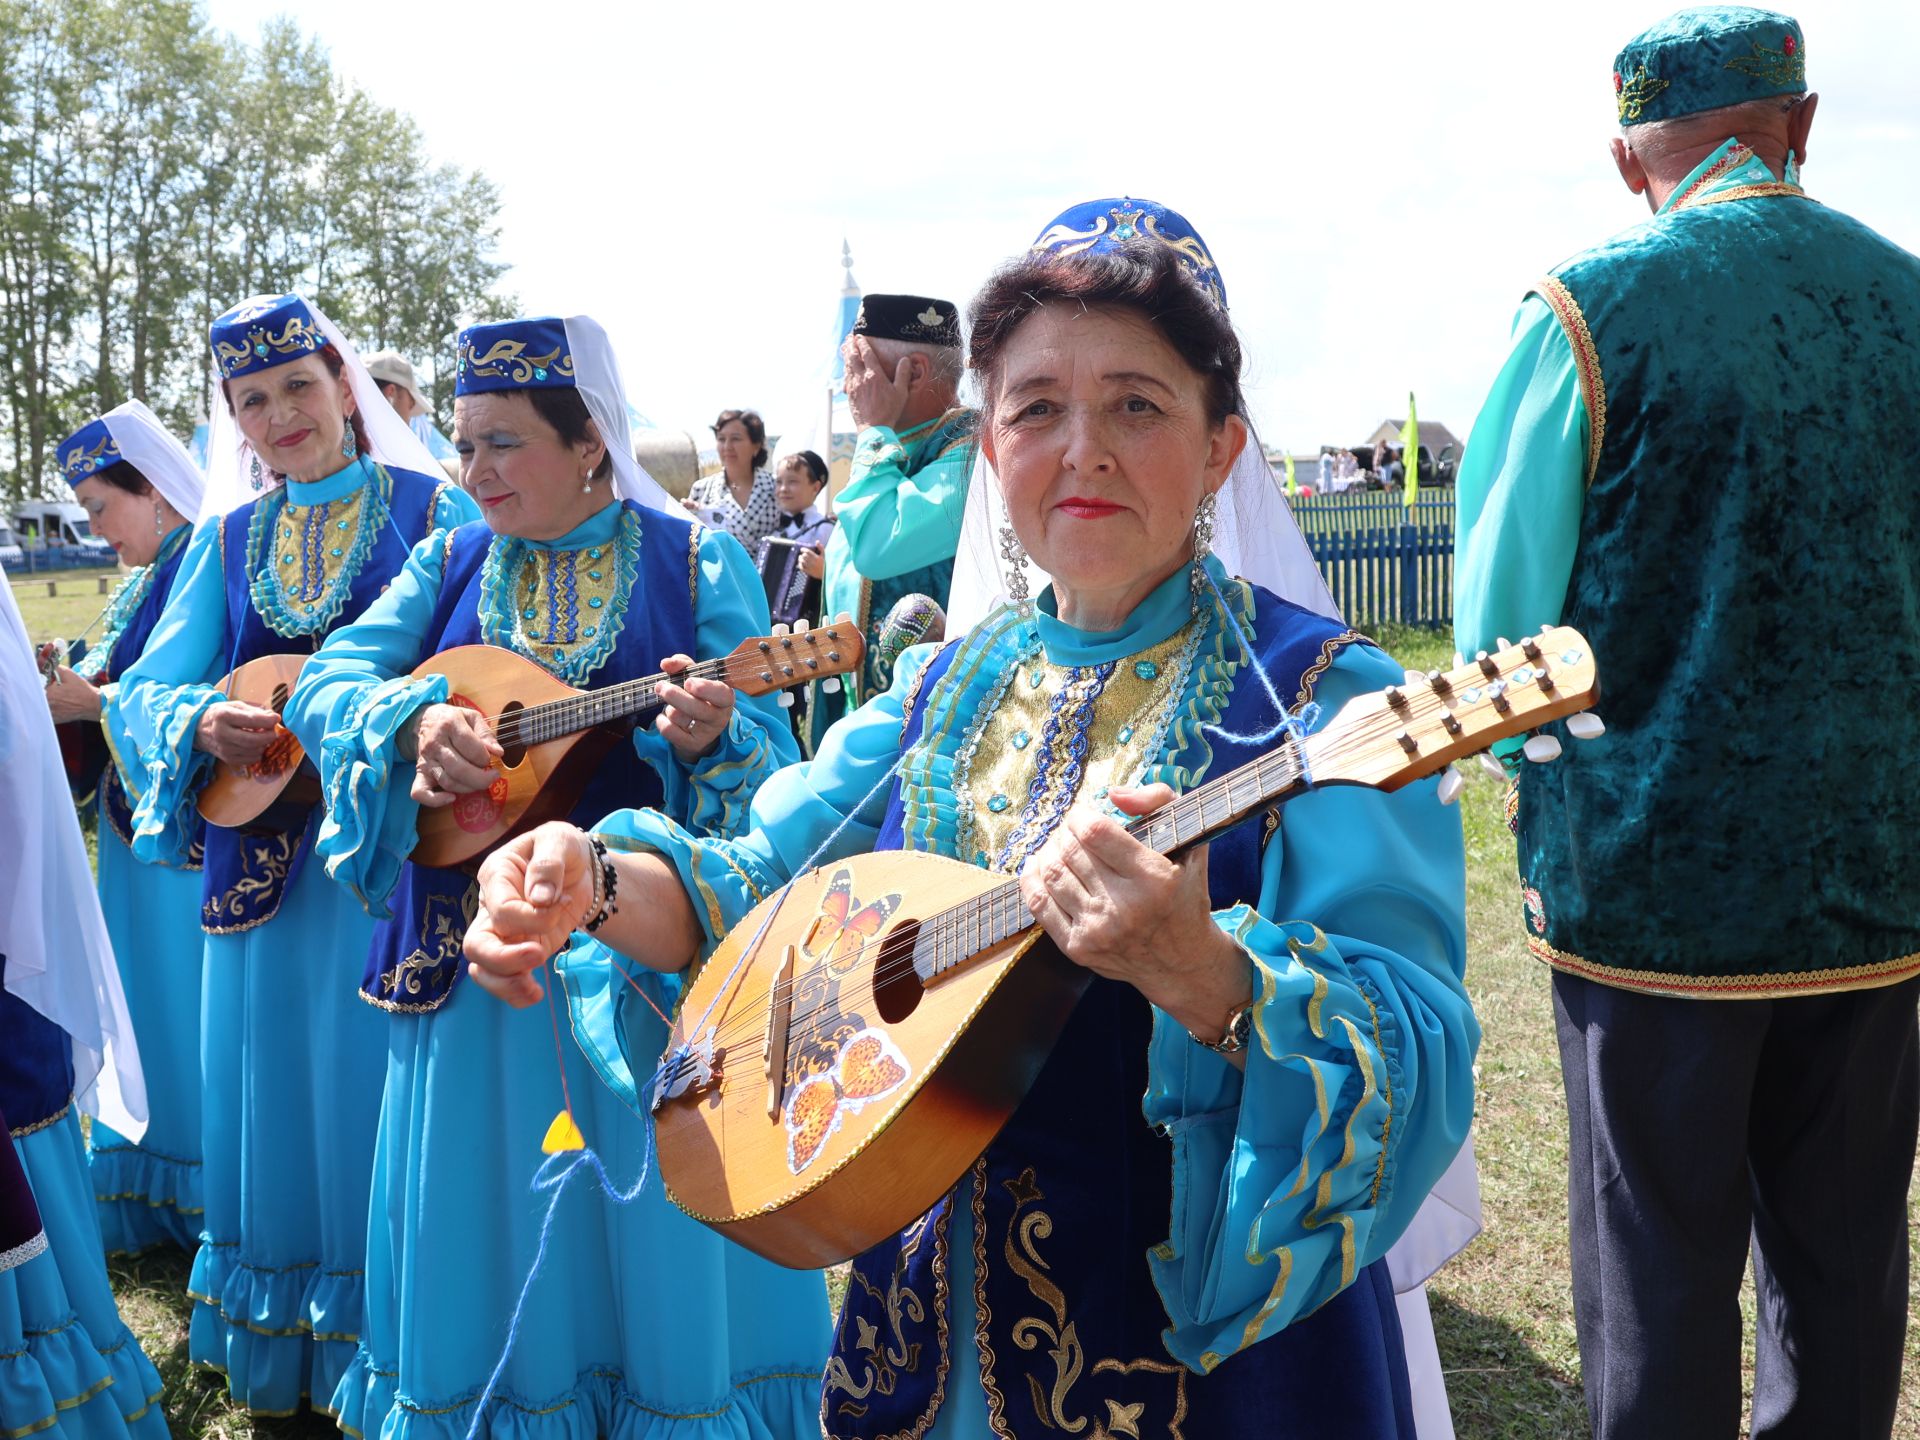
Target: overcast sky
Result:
[[1378, 182]]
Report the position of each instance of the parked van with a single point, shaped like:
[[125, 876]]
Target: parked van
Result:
[[49, 523], [10, 551]]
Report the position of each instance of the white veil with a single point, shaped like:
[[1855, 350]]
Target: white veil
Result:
[[390, 440], [596, 373], [151, 449], [1254, 535], [58, 957]]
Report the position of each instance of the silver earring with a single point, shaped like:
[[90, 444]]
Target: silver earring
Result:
[[253, 470], [349, 445], [1202, 544], [586, 483], [159, 526], [1016, 569]]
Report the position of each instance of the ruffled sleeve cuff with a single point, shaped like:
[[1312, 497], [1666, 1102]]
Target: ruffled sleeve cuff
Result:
[[371, 820], [164, 819], [1280, 1174], [725, 881], [712, 796], [615, 1006]]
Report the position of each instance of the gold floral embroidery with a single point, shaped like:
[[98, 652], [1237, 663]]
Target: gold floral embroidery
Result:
[[443, 928], [1331, 647], [1785, 67], [1634, 95], [884, 1360], [241, 908]]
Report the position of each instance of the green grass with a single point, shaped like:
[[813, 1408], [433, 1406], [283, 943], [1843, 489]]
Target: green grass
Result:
[[64, 615], [1502, 1310]]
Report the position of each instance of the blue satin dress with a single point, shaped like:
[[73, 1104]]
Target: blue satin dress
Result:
[[149, 1193], [290, 1061], [640, 1324], [1157, 1243]]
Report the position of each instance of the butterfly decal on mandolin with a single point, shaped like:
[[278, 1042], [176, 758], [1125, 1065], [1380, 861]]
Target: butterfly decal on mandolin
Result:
[[870, 1067]]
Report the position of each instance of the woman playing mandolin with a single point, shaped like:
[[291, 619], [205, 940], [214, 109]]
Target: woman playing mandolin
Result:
[[586, 568], [316, 490], [1178, 1230], [142, 492]]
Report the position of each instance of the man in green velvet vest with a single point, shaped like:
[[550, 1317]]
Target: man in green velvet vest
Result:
[[1727, 883]]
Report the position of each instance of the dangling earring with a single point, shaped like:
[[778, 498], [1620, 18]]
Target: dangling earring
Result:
[[159, 525], [349, 443], [253, 470], [1016, 570], [1202, 545], [586, 483]]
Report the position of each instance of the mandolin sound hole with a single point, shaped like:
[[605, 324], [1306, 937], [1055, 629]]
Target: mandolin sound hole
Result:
[[896, 986], [508, 731], [280, 697]]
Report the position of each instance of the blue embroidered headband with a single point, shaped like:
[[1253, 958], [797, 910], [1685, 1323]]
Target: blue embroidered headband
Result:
[[513, 355], [1702, 59], [1104, 225], [260, 333], [87, 452]]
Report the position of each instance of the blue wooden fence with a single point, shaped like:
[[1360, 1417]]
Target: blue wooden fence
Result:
[[1385, 564], [58, 558]]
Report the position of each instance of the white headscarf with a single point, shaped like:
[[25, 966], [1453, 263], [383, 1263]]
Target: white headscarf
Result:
[[230, 482], [150, 448], [59, 959], [596, 374]]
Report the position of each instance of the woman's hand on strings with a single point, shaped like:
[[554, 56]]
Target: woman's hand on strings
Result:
[[236, 732], [454, 751], [697, 713], [1127, 912], [533, 891]]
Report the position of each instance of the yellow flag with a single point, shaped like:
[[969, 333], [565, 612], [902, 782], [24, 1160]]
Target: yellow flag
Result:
[[1410, 452], [1292, 488]]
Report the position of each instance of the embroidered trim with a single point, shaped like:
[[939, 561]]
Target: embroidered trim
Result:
[[39, 1125], [1064, 739], [1752, 192], [1732, 987], [557, 641], [274, 879], [322, 585], [1586, 362], [1310, 677], [26, 1250], [982, 1312], [942, 1340], [913, 696], [693, 567], [1732, 160]]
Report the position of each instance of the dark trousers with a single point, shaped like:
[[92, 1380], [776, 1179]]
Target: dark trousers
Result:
[[1696, 1126]]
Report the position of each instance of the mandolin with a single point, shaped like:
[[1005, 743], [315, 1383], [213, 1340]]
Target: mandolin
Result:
[[555, 736], [855, 1043], [277, 790]]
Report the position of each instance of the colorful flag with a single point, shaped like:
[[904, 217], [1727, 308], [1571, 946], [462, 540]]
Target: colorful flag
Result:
[[1292, 488], [1410, 452]]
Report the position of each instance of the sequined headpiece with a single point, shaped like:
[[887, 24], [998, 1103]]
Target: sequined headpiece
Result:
[[1100, 225], [513, 355], [1702, 59], [267, 330], [87, 451]]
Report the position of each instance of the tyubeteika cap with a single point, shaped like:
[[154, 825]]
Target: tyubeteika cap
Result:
[[265, 331], [1099, 225], [1704, 58], [916, 319]]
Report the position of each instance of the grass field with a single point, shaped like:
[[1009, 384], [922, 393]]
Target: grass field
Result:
[[1501, 1311]]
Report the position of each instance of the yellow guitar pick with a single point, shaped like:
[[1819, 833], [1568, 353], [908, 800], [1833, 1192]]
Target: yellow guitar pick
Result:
[[563, 1134]]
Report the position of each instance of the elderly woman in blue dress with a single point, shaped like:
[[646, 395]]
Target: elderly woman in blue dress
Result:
[[142, 492], [332, 490], [640, 1322], [69, 1367], [1180, 1229]]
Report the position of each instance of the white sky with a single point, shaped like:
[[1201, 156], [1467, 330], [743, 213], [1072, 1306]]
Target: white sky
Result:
[[1378, 180]]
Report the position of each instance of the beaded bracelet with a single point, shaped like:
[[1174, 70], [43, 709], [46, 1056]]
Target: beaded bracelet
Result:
[[606, 885]]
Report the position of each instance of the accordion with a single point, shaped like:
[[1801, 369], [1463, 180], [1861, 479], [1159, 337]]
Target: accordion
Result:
[[792, 594]]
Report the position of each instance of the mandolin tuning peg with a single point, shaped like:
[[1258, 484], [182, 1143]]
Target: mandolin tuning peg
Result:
[[1503, 643], [786, 699], [1458, 659], [802, 625], [1542, 748], [780, 629], [845, 617], [1451, 784], [1492, 766], [1586, 726], [831, 684]]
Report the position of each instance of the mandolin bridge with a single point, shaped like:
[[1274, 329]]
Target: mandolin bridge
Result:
[[686, 1069]]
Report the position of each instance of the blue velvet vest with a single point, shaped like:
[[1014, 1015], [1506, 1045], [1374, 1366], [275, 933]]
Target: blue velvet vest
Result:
[[1071, 1196], [36, 1064], [1746, 574], [415, 959], [247, 875], [115, 810]]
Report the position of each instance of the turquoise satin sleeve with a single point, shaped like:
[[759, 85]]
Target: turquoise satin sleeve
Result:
[[165, 692], [122, 744], [1521, 490], [711, 795], [355, 699], [453, 507], [836, 800], [894, 522], [1358, 1088]]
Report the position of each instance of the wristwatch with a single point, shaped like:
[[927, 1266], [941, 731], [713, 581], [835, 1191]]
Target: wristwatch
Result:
[[1233, 1039]]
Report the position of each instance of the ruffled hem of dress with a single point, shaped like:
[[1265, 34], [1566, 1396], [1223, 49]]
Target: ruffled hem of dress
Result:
[[165, 818], [62, 1378], [144, 1200], [356, 762], [255, 1326], [761, 1405]]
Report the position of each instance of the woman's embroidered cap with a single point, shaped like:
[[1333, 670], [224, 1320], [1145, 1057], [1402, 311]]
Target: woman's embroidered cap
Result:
[[525, 354], [87, 451], [1704, 58], [264, 331], [1098, 225]]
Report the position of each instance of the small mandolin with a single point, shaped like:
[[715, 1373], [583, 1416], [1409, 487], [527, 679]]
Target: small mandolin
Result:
[[555, 736], [856, 1042], [277, 790]]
